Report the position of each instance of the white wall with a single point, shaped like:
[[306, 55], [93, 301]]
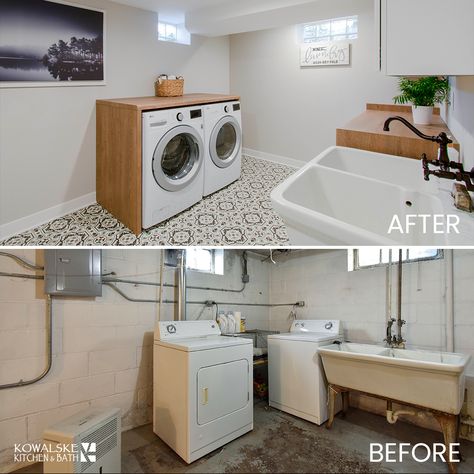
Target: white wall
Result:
[[358, 299], [294, 112], [460, 116], [47, 135], [102, 346]]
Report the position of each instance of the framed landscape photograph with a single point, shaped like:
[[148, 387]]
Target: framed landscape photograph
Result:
[[51, 43]]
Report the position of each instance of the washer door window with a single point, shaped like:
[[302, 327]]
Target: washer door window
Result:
[[225, 143], [178, 158]]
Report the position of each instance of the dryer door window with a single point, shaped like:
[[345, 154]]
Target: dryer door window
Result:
[[225, 142], [222, 389], [178, 158]]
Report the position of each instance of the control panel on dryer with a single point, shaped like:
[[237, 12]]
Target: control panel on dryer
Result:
[[167, 330]]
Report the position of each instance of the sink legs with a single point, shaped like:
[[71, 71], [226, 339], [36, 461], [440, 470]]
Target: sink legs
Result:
[[450, 427], [450, 424], [333, 391]]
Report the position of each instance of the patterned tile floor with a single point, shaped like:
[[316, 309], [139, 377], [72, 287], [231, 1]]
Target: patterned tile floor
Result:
[[238, 215]]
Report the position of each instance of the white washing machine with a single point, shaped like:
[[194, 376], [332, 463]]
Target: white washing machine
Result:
[[173, 162], [296, 380], [202, 387], [223, 165]]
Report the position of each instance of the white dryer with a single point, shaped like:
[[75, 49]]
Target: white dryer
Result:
[[202, 387], [296, 379], [223, 165], [173, 158]]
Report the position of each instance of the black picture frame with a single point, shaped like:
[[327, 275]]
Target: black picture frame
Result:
[[51, 43]]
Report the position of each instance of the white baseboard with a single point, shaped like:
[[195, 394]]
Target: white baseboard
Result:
[[42, 217], [282, 160]]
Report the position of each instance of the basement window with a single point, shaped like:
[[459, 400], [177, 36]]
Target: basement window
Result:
[[335, 29], [380, 257], [205, 260], [173, 33]]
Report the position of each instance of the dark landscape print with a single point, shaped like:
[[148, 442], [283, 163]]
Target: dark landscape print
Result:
[[44, 41]]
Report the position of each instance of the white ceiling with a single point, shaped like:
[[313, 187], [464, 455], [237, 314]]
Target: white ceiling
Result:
[[219, 17], [173, 10]]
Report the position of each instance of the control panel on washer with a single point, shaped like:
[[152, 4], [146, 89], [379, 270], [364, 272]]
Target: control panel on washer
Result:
[[319, 326]]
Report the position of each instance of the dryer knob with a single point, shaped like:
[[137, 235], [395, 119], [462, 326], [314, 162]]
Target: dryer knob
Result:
[[180, 117], [226, 109]]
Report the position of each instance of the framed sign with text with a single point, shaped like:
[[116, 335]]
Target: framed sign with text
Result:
[[336, 53]]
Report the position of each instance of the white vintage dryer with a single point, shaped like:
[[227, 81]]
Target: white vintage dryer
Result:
[[296, 379], [202, 387], [173, 158], [223, 144]]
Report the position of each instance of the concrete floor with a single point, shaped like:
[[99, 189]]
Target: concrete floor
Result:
[[283, 443]]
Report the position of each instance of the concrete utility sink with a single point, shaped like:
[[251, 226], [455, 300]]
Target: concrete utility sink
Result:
[[434, 380], [350, 197]]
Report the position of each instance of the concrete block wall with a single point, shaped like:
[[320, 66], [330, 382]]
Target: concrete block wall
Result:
[[102, 346], [358, 299]]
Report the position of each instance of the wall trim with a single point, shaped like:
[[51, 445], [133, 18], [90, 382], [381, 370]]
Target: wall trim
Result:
[[42, 217], [282, 160]]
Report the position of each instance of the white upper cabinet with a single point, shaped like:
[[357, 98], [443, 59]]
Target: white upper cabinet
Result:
[[426, 37]]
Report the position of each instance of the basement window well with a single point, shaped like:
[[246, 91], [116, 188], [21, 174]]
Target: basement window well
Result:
[[335, 29], [379, 257], [173, 33]]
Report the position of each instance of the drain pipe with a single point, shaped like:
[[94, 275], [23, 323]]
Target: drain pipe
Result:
[[392, 416], [182, 286], [449, 301]]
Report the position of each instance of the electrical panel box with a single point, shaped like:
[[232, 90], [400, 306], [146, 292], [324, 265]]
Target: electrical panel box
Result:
[[76, 272]]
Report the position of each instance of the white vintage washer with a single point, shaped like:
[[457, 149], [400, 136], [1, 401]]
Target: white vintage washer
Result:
[[203, 387], [296, 379], [173, 158], [223, 143]]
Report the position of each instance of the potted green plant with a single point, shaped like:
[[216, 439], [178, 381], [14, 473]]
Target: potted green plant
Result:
[[423, 93]]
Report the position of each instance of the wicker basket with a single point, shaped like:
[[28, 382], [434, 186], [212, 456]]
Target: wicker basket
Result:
[[165, 87]]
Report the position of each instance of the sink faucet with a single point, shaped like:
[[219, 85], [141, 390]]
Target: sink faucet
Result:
[[443, 161], [389, 339], [392, 340]]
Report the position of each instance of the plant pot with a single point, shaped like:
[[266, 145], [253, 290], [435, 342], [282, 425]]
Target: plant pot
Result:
[[422, 115]]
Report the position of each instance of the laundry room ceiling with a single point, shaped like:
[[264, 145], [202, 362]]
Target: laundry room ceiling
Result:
[[222, 17]]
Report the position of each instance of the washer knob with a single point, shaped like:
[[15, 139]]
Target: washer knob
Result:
[[328, 326], [180, 117], [226, 109]]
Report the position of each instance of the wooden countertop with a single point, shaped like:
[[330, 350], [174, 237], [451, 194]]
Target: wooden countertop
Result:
[[155, 103], [366, 132]]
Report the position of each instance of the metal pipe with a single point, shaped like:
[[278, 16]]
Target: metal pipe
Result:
[[449, 301], [399, 309], [388, 284], [135, 300], [49, 341], [182, 286], [169, 285], [23, 276], [21, 261]]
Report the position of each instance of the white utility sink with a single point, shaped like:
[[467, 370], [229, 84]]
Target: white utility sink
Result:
[[350, 197], [430, 379]]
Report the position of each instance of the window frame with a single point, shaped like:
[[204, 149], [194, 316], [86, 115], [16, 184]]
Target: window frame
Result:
[[330, 37], [214, 254], [354, 261], [166, 38]]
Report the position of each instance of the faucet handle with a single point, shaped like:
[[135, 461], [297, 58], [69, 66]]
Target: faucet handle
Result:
[[443, 139]]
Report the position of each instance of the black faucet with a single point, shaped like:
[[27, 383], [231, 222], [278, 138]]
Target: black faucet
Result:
[[443, 161], [442, 139]]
